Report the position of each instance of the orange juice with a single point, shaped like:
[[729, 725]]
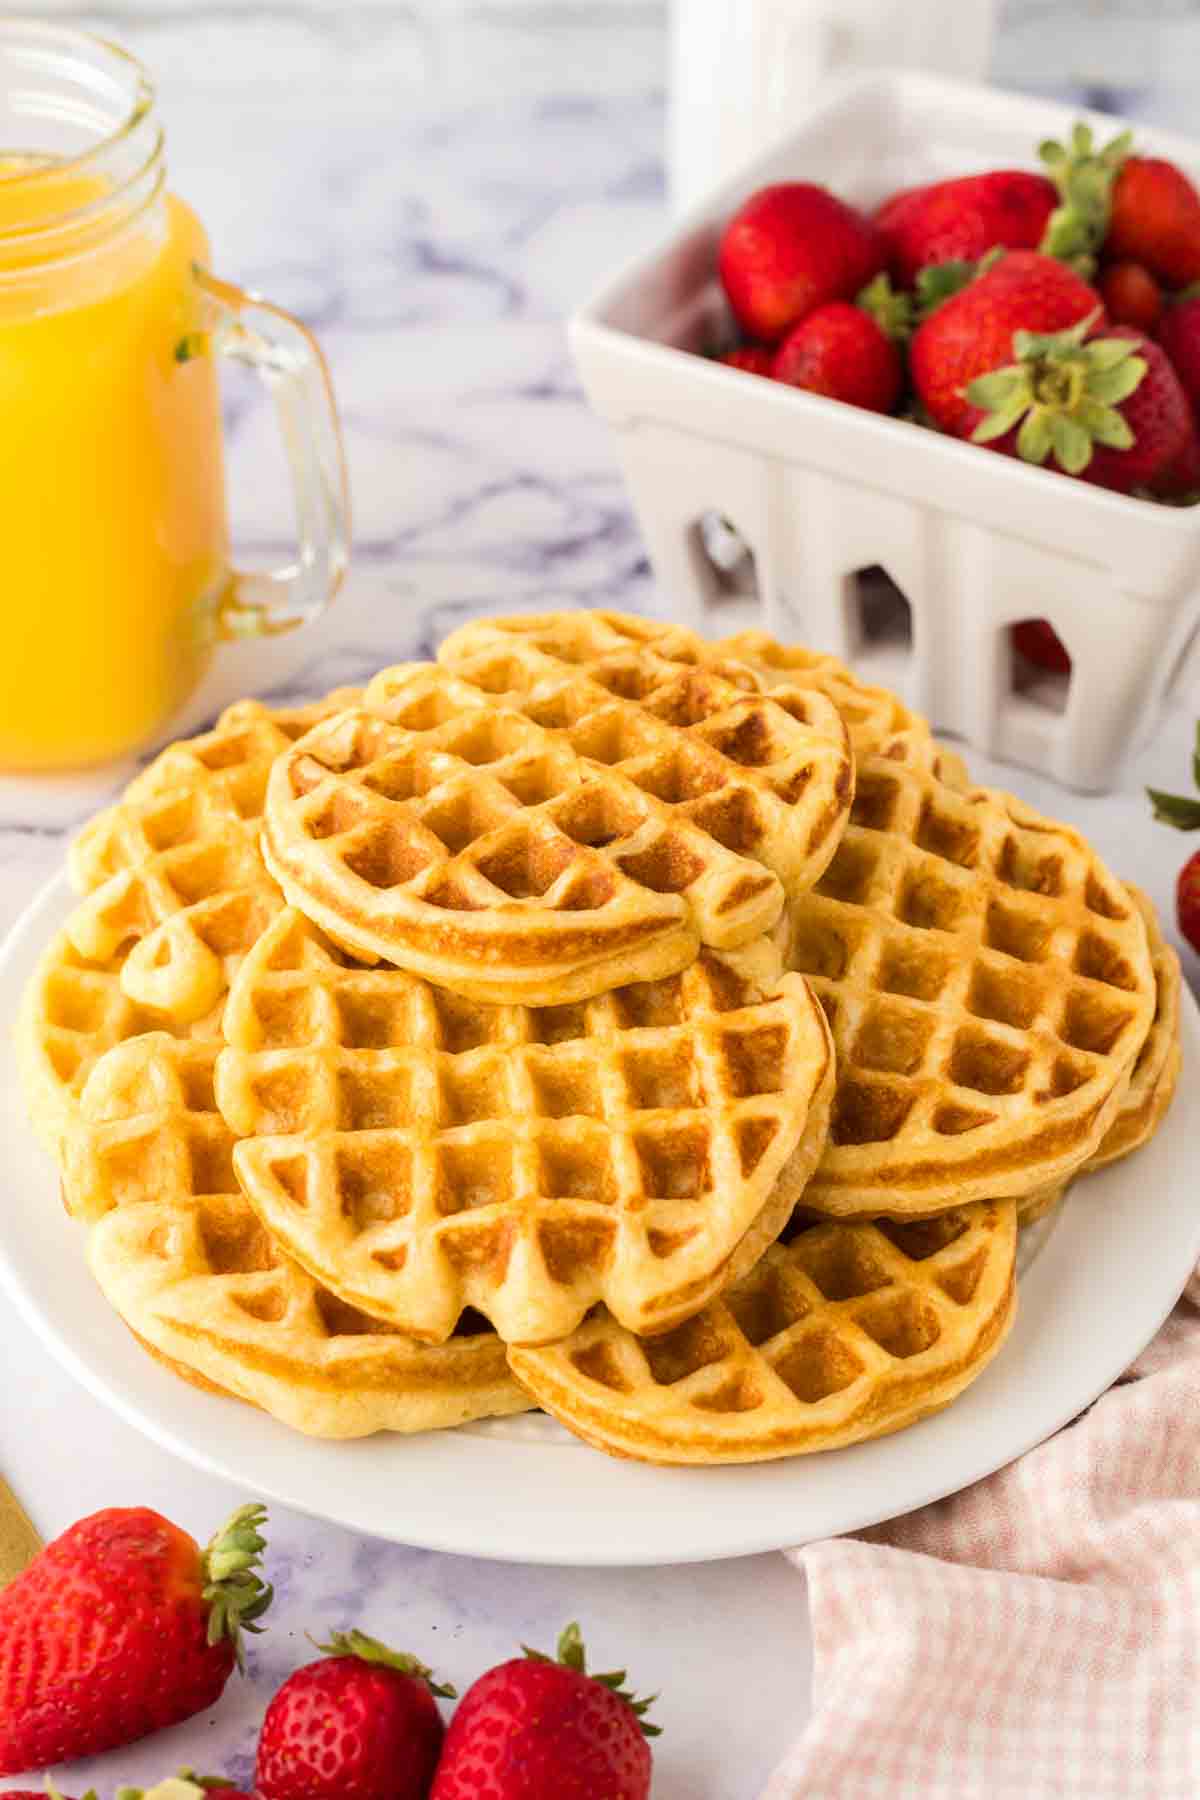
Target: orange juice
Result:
[[113, 539]]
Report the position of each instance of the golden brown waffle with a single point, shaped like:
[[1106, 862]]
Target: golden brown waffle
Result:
[[750, 660], [420, 1153], [989, 985], [187, 1266], [1147, 1099], [75, 1009], [172, 872], [555, 839], [846, 1332]]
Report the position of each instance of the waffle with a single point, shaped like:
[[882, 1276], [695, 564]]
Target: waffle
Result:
[[187, 1266], [846, 1332], [751, 660], [420, 1153], [989, 985], [872, 714], [549, 842], [1151, 1088], [74, 1009], [172, 871]]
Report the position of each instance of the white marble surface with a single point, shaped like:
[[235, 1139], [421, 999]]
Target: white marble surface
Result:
[[432, 196]]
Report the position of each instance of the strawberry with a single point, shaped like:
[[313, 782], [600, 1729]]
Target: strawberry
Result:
[[119, 1627], [1156, 415], [1155, 220], [1131, 295], [1108, 409], [1179, 335], [755, 359], [971, 333], [533, 1729], [840, 351], [1183, 811], [1038, 641], [790, 248], [1187, 900], [362, 1724], [959, 220], [1180, 480]]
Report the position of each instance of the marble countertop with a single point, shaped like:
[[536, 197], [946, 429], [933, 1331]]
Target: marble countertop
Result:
[[432, 220]]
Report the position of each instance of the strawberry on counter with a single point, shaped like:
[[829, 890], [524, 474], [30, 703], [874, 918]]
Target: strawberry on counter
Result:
[[121, 1626]]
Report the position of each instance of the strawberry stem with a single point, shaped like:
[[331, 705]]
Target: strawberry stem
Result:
[[236, 1595], [370, 1650], [1084, 178], [570, 1652]]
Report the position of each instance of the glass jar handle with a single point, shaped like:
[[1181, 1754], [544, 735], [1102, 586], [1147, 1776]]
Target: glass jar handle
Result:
[[290, 362]]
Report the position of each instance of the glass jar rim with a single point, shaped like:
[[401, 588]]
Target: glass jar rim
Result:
[[130, 169]]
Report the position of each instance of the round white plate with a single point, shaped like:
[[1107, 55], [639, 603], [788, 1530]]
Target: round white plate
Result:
[[1097, 1282]]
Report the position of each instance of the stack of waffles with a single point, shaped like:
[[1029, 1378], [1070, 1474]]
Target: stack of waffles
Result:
[[665, 1034]]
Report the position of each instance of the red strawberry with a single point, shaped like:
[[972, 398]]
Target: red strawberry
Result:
[[1155, 219], [1131, 295], [1037, 640], [360, 1725], [1179, 335], [755, 359], [1183, 811], [789, 249], [1180, 480], [1108, 409], [841, 352], [972, 332], [959, 220], [1187, 900], [533, 1729], [120, 1627], [1159, 421]]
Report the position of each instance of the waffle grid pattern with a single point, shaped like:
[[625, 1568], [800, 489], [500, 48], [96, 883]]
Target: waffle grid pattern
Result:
[[988, 984], [172, 872], [419, 1152], [769, 776], [847, 1331], [186, 1263], [553, 843]]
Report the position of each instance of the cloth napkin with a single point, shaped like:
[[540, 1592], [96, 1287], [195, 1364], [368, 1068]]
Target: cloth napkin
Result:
[[1038, 1634]]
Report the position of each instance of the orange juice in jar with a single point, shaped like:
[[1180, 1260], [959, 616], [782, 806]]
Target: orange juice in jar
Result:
[[118, 582]]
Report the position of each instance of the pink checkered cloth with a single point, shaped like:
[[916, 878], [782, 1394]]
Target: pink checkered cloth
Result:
[[1037, 1635]]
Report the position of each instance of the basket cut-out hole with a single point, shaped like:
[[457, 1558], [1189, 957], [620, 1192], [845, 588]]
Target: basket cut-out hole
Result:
[[723, 561], [878, 616], [1049, 689]]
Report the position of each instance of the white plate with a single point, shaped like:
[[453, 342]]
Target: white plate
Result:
[[1098, 1282]]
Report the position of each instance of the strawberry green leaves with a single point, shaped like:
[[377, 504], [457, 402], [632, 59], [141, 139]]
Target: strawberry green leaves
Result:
[[1084, 177], [1180, 810], [1061, 395]]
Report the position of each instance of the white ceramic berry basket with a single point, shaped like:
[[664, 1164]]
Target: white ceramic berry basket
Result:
[[819, 492]]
